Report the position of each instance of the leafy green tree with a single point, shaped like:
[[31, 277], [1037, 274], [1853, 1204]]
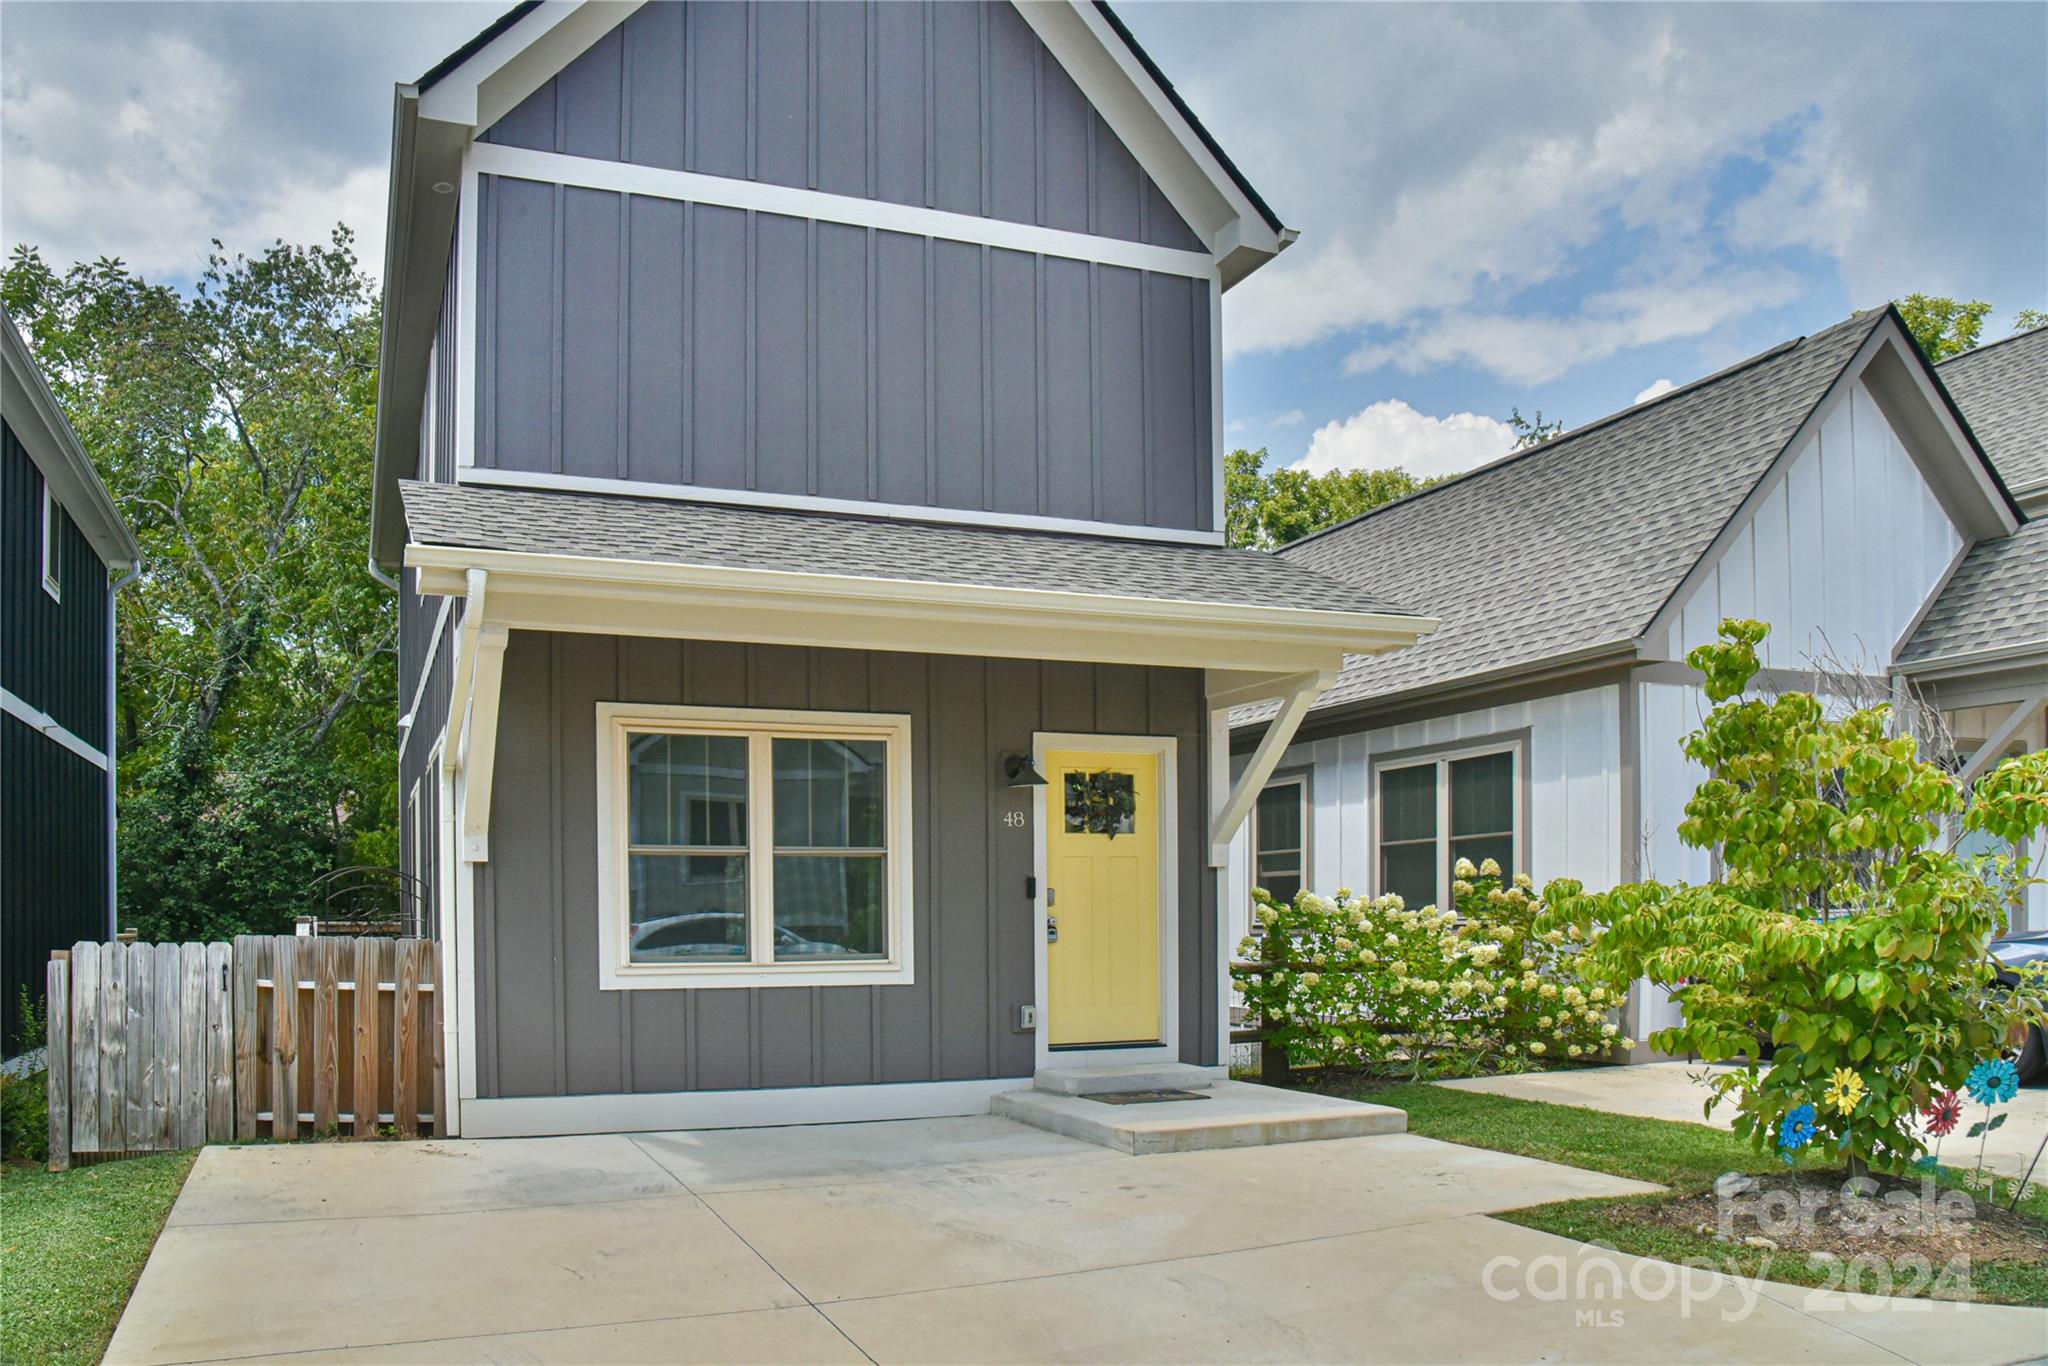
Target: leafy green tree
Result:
[[1943, 327], [1266, 510], [1845, 924], [1532, 431], [2027, 319], [257, 693]]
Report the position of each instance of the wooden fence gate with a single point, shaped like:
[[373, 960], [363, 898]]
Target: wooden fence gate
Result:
[[159, 1046]]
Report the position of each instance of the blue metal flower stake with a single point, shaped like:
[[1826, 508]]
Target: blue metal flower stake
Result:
[[1991, 1082]]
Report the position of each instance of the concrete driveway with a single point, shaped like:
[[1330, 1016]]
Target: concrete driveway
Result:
[[1677, 1090], [948, 1240]]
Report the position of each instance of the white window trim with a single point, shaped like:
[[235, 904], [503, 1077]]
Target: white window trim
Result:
[[52, 547], [1298, 779], [617, 971], [1441, 759]]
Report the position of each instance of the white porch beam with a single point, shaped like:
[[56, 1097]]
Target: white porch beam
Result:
[[1297, 694], [480, 744], [1993, 747]]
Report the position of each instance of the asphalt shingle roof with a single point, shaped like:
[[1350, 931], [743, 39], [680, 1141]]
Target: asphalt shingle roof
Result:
[[1998, 598], [1576, 544], [668, 531], [2003, 392]]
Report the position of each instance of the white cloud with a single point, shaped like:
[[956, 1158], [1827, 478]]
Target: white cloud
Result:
[[1293, 417], [1436, 167], [144, 132], [1532, 349], [1391, 434], [1657, 389]]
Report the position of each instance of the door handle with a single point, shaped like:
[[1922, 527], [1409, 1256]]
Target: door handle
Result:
[[1052, 929]]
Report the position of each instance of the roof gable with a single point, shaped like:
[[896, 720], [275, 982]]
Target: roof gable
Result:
[[38, 422], [1582, 546], [960, 108]]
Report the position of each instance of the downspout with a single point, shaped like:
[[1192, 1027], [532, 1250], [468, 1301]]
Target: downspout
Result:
[[113, 679], [380, 576]]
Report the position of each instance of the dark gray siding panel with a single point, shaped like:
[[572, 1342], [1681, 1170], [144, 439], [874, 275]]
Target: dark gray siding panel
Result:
[[948, 105], [695, 344], [53, 651], [545, 1028], [53, 860]]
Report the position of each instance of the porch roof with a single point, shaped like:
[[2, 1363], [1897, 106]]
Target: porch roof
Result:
[[600, 562]]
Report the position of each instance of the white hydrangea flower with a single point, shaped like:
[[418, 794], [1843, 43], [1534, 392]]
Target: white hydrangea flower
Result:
[[1608, 1031], [1537, 1049], [1547, 991], [1628, 1043], [1525, 882], [1489, 868], [1574, 1050], [1543, 1022], [1463, 868]]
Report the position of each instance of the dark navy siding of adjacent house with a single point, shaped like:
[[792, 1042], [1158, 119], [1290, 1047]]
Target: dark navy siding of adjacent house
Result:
[[53, 802]]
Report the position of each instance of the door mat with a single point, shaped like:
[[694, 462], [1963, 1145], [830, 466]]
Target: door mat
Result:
[[1143, 1097]]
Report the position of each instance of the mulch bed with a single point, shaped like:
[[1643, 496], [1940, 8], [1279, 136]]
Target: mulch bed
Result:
[[1886, 1217]]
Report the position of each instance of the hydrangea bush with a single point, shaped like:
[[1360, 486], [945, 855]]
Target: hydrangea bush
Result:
[[1846, 926], [1357, 983]]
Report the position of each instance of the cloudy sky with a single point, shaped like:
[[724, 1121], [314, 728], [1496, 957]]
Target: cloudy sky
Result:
[[1551, 206]]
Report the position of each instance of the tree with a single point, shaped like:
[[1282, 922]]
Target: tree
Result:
[[1265, 511], [257, 695], [2027, 319], [1845, 922], [1532, 431], [1943, 327]]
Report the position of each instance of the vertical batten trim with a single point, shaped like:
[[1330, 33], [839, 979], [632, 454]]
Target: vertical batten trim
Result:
[[557, 982], [988, 458], [1145, 392], [811, 282], [874, 369], [750, 309], [558, 330], [1094, 385], [927, 257], [623, 424], [688, 329], [1041, 436]]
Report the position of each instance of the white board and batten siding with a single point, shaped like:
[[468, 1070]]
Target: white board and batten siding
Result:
[[1838, 557], [1571, 804]]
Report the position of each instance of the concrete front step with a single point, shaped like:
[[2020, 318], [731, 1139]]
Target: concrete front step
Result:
[[1104, 1079], [1231, 1114]]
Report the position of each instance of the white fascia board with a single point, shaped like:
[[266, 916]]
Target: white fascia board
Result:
[[1139, 113], [626, 597], [492, 82], [2017, 655], [1899, 378]]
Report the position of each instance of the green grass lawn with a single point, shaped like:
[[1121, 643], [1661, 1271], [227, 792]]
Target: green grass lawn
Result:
[[1684, 1157], [71, 1247]]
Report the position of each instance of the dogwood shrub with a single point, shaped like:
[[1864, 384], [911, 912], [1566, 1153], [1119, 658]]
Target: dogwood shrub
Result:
[[1350, 982], [1846, 925]]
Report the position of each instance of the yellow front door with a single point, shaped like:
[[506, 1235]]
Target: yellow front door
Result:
[[1102, 875]]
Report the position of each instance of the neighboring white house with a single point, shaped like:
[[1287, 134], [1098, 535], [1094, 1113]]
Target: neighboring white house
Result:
[[1866, 505]]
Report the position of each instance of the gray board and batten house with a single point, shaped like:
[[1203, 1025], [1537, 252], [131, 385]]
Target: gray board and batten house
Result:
[[1885, 516], [66, 552], [800, 446]]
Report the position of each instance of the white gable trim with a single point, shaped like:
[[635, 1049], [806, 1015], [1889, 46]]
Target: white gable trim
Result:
[[1942, 452], [493, 81], [1113, 80]]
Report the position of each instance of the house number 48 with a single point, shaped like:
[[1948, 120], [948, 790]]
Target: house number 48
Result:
[[1013, 819]]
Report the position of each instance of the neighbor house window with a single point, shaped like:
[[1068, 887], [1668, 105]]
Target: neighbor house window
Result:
[[747, 847], [53, 531], [1435, 811], [1280, 837]]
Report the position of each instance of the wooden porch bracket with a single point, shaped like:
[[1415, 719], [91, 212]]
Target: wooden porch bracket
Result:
[[1227, 689], [480, 743]]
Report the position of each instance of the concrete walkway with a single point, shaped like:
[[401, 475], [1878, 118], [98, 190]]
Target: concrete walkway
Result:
[[949, 1240], [1677, 1090]]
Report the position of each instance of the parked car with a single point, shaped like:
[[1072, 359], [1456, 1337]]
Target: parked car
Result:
[[2025, 952], [718, 934]]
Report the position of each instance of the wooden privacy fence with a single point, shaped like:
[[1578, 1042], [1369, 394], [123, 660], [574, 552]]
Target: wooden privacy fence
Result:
[[157, 1046]]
